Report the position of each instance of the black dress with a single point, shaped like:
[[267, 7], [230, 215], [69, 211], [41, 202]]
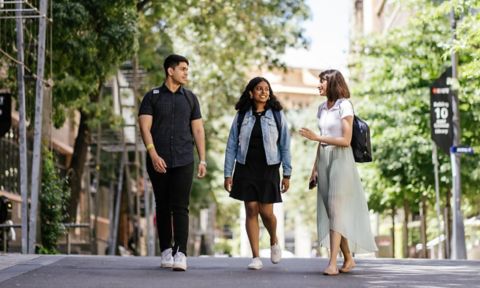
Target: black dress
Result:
[[256, 180]]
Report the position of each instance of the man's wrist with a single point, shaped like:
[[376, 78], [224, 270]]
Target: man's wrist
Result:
[[150, 146], [203, 162], [152, 153]]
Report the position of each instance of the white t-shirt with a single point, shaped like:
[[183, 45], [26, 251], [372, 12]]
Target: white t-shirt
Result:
[[330, 120]]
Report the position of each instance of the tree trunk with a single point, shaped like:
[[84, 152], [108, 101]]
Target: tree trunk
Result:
[[124, 227], [448, 224], [77, 165], [406, 213], [392, 233], [423, 226]]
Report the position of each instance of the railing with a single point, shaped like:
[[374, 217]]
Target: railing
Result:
[[4, 228], [67, 226]]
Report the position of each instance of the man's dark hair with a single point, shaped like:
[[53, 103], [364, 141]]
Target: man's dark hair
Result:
[[172, 61]]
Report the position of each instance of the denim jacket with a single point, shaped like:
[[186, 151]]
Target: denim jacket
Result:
[[275, 152]]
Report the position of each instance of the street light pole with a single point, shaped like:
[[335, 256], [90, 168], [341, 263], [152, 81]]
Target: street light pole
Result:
[[458, 229], [22, 130], [37, 136]]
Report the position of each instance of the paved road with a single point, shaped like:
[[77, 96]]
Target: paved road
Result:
[[209, 272]]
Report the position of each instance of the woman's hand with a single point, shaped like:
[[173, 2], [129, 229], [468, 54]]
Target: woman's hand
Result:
[[313, 176], [309, 134], [227, 184], [285, 184], [312, 182]]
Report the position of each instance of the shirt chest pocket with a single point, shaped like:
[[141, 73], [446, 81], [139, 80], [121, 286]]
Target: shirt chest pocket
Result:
[[272, 129], [245, 129]]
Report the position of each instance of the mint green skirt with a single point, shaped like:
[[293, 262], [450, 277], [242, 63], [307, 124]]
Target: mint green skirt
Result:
[[341, 202]]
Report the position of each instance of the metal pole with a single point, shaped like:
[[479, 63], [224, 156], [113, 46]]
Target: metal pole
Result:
[[95, 202], [97, 186], [111, 201], [123, 171], [22, 129], [68, 241], [37, 141], [446, 226], [118, 202], [137, 156], [437, 198], [4, 239], [88, 180], [458, 231], [148, 209]]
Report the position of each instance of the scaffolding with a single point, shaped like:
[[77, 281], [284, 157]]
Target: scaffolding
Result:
[[31, 17], [12, 40], [124, 144], [15, 9]]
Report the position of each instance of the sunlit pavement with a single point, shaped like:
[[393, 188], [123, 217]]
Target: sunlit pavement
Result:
[[116, 272]]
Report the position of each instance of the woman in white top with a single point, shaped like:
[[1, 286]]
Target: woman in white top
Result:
[[342, 211]]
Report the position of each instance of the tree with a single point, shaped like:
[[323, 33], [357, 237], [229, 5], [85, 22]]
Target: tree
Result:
[[52, 205], [91, 39], [223, 41], [394, 71]]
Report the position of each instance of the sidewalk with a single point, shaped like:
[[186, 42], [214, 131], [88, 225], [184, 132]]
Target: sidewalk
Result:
[[207, 272], [8, 260], [14, 265]]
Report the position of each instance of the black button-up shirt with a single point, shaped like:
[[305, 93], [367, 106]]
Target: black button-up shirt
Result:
[[171, 128]]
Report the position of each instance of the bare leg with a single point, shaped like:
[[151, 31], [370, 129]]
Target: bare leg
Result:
[[251, 225], [348, 262], [270, 221], [335, 239]]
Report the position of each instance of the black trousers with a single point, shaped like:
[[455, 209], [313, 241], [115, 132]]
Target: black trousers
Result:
[[172, 197]]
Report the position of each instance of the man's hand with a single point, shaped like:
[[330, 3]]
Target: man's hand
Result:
[[202, 170], [227, 184], [158, 163]]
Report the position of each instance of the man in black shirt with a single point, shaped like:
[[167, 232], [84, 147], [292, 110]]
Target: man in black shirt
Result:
[[170, 122]]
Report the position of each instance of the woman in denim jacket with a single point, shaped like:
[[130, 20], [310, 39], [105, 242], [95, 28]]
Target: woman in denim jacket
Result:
[[256, 147]]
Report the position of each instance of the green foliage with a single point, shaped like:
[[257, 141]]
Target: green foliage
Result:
[[299, 198], [392, 72], [91, 39], [223, 40], [223, 247], [53, 199]]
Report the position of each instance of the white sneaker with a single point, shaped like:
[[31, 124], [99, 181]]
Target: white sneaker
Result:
[[179, 262], [167, 258], [275, 253], [256, 264]]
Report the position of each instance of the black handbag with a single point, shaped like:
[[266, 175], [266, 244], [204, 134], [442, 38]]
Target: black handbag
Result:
[[361, 146]]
